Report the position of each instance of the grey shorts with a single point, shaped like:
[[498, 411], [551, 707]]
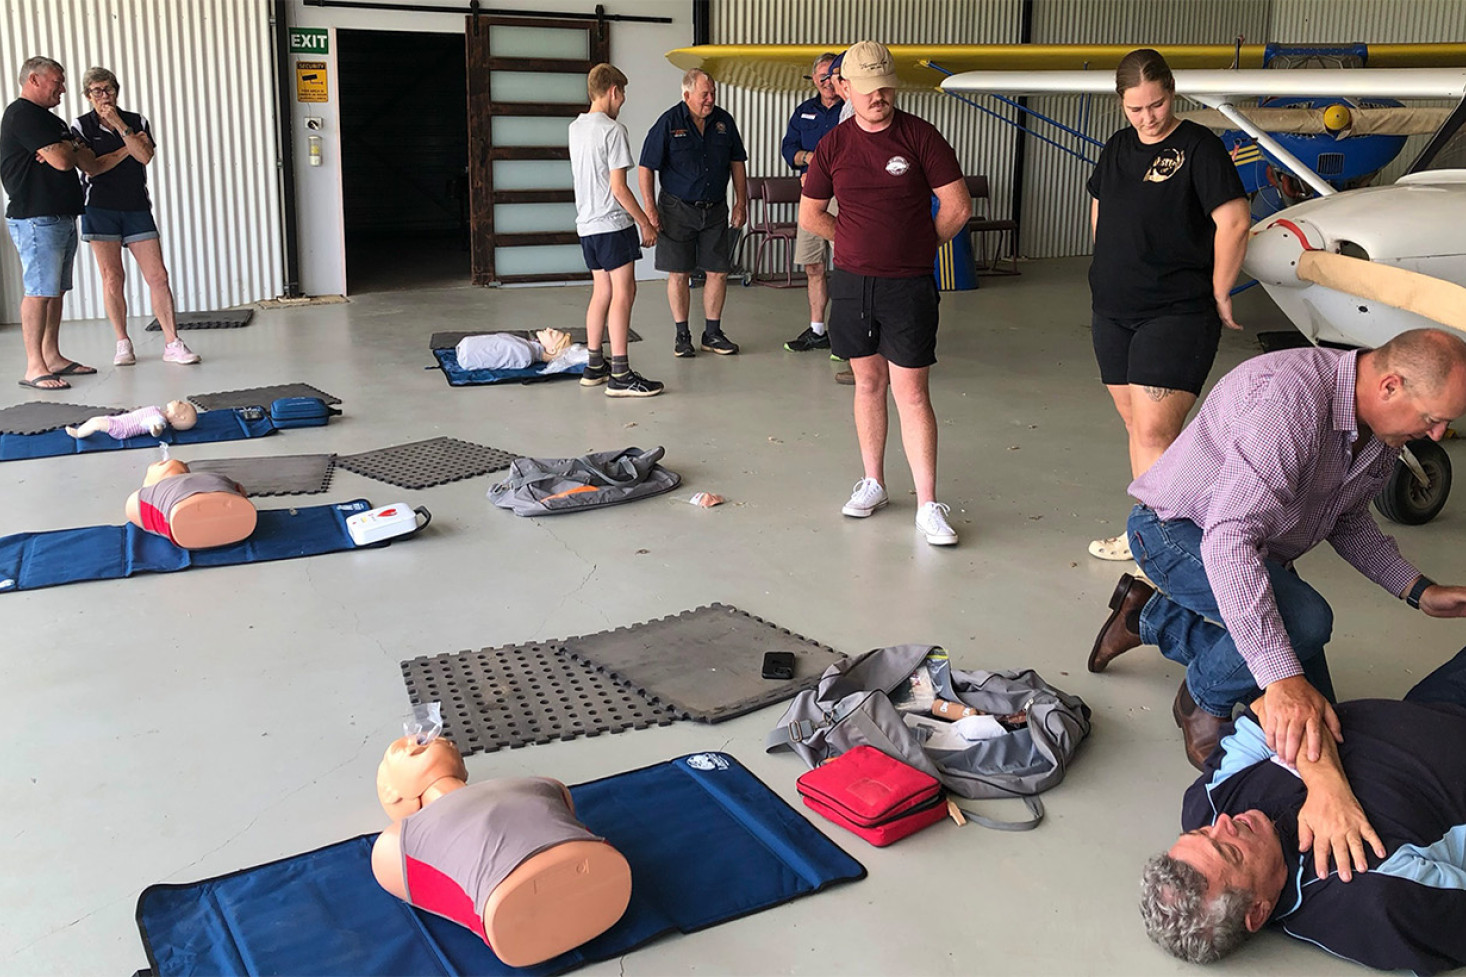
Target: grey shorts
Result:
[[693, 237], [811, 249]]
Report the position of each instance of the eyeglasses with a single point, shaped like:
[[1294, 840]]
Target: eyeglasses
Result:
[[99, 92]]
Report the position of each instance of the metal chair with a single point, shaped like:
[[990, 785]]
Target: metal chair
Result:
[[980, 226], [780, 201]]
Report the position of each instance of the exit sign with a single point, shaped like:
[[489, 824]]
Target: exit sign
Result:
[[309, 40]]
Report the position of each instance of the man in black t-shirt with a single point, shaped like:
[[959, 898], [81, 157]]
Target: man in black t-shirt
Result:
[[38, 157], [1387, 805]]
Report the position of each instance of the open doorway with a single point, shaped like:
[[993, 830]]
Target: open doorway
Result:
[[404, 158]]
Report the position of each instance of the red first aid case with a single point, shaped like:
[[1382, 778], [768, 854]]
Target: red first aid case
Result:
[[873, 795]]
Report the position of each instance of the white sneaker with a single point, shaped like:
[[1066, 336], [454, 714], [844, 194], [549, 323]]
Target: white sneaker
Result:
[[125, 356], [177, 352], [1116, 548], [868, 496], [931, 519]]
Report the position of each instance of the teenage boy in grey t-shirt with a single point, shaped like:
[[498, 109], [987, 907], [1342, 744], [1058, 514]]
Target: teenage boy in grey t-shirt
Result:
[[607, 217]]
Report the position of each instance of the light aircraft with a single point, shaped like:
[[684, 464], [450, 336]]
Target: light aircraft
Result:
[[1352, 267]]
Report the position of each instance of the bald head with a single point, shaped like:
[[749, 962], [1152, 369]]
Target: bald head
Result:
[[1412, 386], [1425, 358]]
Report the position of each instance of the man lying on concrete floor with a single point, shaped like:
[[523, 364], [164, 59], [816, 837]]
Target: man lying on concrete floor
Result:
[[1387, 805]]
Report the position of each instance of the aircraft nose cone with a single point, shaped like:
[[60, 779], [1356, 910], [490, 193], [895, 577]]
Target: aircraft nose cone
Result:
[[1272, 253]]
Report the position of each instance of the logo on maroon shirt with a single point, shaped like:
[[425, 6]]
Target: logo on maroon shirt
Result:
[[897, 165], [1168, 163]]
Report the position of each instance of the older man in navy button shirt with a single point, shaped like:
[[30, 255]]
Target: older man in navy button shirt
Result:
[[695, 147]]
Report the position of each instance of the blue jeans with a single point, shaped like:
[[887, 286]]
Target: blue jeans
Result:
[[1183, 618], [47, 247]]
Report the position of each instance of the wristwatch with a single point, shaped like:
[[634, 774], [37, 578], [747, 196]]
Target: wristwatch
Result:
[[1418, 591]]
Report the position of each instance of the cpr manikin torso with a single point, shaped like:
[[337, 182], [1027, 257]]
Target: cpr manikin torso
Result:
[[194, 510], [505, 858]]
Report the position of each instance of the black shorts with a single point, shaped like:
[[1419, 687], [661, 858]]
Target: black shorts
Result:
[[611, 250], [1170, 351], [693, 237], [893, 317]]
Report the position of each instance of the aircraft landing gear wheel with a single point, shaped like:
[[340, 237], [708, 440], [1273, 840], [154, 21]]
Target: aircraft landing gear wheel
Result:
[[1404, 499]]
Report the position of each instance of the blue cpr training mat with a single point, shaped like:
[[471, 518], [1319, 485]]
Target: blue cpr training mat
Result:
[[29, 561], [213, 425], [706, 840], [459, 377]]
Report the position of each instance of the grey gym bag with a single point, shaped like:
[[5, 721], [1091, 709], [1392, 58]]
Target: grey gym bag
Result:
[[550, 486], [852, 706]]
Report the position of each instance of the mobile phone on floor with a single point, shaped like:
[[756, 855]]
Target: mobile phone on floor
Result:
[[779, 664]]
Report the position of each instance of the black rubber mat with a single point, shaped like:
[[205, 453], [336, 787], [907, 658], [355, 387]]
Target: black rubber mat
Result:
[[273, 474], [258, 396], [39, 416], [448, 340], [227, 319], [504, 698], [423, 464], [707, 663]]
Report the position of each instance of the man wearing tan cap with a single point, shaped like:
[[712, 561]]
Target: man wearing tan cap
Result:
[[884, 166]]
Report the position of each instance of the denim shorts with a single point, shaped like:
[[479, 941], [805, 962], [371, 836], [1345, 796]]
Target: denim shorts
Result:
[[127, 226], [47, 247], [611, 250]]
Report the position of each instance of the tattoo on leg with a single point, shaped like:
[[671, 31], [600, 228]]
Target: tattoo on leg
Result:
[[1158, 394]]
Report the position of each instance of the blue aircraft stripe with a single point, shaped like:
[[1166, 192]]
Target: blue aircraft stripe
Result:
[[1440, 866]]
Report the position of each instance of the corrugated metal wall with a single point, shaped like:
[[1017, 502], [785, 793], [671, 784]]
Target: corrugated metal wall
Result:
[[1055, 204], [984, 145], [201, 71], [1378, 21]]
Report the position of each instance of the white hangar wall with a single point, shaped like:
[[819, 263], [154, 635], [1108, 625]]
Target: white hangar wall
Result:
[[201, 71]]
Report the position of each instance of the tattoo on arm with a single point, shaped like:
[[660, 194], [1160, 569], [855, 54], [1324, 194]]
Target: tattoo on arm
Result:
[[1158, 394]]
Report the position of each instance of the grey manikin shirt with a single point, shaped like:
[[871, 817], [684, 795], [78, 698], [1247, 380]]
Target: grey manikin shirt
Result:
[[478, 834]]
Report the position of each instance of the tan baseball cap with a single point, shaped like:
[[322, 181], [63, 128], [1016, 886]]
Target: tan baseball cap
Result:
[[868, 66]]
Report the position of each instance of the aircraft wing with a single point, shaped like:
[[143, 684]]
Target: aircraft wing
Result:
[[1210, 85], [783, 67], [1364, 122]]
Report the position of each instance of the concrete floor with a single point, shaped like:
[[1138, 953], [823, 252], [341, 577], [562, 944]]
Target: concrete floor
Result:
[[171, 728]]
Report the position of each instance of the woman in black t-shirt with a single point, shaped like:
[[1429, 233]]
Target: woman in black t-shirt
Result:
[[119, 214], [1170, 220]]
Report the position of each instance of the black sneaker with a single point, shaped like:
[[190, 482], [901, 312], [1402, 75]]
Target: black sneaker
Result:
[[808, 340], [632, 384], [684, 346], [720, 344], [594, 376]]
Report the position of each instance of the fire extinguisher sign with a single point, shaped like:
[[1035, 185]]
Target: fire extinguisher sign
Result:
[[310, 81]]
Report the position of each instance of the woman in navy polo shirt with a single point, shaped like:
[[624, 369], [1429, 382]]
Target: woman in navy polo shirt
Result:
[[119, 213]]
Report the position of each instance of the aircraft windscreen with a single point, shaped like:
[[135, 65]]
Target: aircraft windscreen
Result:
[[1447, 148]]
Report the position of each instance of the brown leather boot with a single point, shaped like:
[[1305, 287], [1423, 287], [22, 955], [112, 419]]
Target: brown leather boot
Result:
[[1122, 628], [1202, 729]]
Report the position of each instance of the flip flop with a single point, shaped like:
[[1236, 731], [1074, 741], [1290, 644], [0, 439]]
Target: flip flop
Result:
[[36, 383], [75, 369], [1112, 548]]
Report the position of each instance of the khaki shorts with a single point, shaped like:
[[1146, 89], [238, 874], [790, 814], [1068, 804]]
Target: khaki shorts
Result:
[[811, 249]]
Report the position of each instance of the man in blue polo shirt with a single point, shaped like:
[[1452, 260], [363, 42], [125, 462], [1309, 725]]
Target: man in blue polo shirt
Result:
[[807, 126], [1387, 806], [695, 146]]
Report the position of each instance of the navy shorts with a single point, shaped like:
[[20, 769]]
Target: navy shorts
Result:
[[611, 250], [893, 317], [127, 226], [1173, 352], [694, 236]]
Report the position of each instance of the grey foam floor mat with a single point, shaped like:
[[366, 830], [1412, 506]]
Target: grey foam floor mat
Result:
[[227, 319], [273, 474], [40, 416], [706, 664], [448, 340], [504, 698], [258, 396], [423, 464]]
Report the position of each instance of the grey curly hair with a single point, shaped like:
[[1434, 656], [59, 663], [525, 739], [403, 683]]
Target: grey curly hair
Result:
[[1179, 917]]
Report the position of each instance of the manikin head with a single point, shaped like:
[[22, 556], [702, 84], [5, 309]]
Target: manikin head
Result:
[[181, 414], [43, 82], [699, 92], [410, 768], [1214, 888], [870, 81], [553, 341], [160, 470], [1147, 92], [1412, 387]]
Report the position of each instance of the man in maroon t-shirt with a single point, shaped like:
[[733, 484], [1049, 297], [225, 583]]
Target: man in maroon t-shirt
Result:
[[884, 165]]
